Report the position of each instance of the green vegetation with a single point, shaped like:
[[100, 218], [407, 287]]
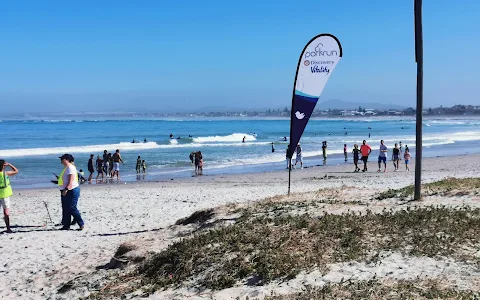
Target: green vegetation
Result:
[[375, 289], [446, 186], [271, 242], [261, 249]]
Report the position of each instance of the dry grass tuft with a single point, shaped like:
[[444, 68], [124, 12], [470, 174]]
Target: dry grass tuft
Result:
[[445, 187]]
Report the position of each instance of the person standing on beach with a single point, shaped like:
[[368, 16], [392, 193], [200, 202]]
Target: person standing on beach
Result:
[[198, 158], [117, 158], [200, 163], [407, 158], [105, 160], [70, 193], [299, 156], [139, 165], [99, 163], [6, 191], [144, 166], [273, 148], [356, 154], [324, 150], [365, 150], [345, 152], [110, 165], [396, 157], [382, 156], [91, 168], [289, 160], [401, 150]]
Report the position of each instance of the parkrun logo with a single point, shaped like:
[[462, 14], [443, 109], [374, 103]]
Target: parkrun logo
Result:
[[319, 52], [317, 69]]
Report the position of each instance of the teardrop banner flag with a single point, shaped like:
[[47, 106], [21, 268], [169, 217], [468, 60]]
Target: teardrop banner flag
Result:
[[317, 62]]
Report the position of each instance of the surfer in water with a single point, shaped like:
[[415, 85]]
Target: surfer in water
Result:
[[243, 140], [285, 138], [171, 136], [273, 148]]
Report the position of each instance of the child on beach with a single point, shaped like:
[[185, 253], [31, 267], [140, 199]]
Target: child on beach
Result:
[[6, 191], [407, 157], [356, 155], [345, 151], [144, 166]]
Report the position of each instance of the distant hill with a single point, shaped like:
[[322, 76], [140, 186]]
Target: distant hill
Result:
[[338, 104]]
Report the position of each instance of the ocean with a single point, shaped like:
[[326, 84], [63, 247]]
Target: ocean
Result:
[[34, 144]]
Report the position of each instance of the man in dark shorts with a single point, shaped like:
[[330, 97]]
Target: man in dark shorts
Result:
[[91, 168], [382, 157], [365, 150]]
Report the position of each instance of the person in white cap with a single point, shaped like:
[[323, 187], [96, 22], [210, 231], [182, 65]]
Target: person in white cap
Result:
[[299, 156]]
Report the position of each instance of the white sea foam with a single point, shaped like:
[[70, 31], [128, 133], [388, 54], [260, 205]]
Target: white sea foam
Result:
[[112, 147], [235, 137], [76, 149]]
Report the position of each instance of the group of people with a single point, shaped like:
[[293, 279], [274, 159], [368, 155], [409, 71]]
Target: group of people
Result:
[[362, 154], [107, 165], [365, 150], [67, 182], [196, 158]]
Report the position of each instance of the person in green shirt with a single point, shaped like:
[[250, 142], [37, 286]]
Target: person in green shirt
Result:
[[6, 190]]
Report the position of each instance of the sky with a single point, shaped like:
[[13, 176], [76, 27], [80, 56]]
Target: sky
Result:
[[164, 56]]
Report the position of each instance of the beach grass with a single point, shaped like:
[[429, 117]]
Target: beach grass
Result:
[[259, 249], [376, 289], [452, 186], [271, 242]]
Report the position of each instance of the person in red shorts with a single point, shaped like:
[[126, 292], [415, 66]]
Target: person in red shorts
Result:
[[365, 150]]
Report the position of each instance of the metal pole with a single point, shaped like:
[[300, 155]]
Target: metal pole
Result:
[[289, 174], [419, 60], [48, 212]]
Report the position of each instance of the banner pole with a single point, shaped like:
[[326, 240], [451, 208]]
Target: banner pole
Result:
[[289, 175], [419, 60]]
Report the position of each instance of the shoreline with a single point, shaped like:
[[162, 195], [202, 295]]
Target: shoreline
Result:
[[328, 168], [311, 162]]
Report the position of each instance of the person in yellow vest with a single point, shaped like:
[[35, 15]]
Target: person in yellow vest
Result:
[[70, 192], [6, 190]]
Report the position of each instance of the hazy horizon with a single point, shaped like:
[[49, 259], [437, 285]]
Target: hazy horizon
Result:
[[170, 57]]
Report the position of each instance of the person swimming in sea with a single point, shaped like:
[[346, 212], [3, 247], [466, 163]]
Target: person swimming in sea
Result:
[[171, 136]]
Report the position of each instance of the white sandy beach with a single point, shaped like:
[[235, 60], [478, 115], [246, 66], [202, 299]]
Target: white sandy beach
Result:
[[37, 259]]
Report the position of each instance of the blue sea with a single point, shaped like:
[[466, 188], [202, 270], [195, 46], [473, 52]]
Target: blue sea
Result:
[[34, 144]]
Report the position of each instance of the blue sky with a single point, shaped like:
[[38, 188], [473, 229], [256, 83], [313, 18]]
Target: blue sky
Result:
[[177, 55]]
